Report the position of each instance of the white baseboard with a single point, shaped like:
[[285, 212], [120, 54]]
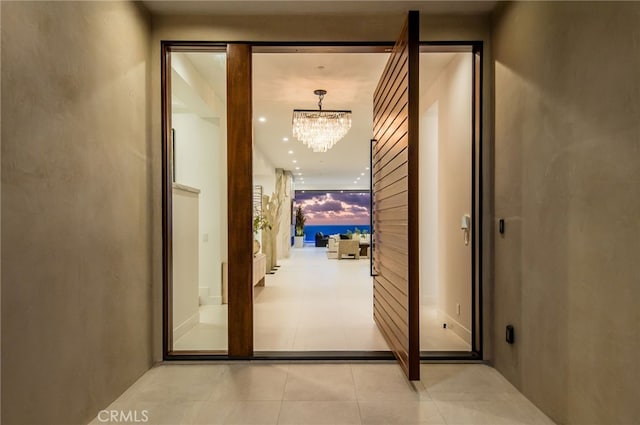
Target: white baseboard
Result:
[[211, 300], [206, 299], [456, 327], [185, 326]]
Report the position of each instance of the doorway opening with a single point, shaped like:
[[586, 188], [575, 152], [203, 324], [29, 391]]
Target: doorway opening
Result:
[[276, 325], [317, 298]]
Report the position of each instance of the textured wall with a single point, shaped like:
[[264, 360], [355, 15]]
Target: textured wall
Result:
[[76, 241], [567, 166]]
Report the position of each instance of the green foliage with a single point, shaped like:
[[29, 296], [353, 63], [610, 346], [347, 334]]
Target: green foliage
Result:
[[260, 222], [300, 221]]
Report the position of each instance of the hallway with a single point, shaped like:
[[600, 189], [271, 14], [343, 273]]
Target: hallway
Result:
[[336, 393], [313, 303]]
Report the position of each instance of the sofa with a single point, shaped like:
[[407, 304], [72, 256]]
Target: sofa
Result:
[[332, 246], [349, 246], [321, 240]]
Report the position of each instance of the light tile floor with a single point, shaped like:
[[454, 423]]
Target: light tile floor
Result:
[[313, 303], [332, 393]]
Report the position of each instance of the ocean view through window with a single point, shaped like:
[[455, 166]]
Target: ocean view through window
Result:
[[334, 211]]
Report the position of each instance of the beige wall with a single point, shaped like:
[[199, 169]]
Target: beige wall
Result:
[[567, 167], [76, 230], [306, 28]]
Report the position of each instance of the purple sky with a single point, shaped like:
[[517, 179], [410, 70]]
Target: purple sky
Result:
[[334, 207]]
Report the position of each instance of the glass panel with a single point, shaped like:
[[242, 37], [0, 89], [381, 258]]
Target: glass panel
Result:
[[199, 201], [445, 201]]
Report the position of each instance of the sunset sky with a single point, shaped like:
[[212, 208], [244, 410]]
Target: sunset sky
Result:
[[322, 208]]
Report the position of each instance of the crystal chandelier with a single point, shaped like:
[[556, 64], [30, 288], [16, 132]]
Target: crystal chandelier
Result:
[[319, 129]]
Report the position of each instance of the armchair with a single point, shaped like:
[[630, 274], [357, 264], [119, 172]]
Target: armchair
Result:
[[321, 240], [349, 247]]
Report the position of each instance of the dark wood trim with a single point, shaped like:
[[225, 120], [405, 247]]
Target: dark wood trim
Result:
[[240, 199], [322, 47], [474, 47], [414, 194], [167, 196], [478, 76], [372, 245], [285, 47], [287, 356], [474, 215], [167, 179]]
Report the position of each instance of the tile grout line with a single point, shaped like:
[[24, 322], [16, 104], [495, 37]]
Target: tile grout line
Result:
[[355, 392], [284, 388]]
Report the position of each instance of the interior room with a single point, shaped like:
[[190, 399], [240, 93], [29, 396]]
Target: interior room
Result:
[[313, 291]]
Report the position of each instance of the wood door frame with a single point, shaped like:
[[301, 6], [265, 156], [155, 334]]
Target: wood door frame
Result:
[[245, 348]]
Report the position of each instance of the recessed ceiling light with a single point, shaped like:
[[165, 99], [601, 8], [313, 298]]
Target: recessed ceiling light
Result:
[[299, 174], [295, 161], [355, 182], [366, 168], [358, 178], [262, 119], [297, 168], [290, 152], [362, 174], [285, 139]]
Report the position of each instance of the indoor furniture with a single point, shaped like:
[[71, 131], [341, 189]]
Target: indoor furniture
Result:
[[349, 247]]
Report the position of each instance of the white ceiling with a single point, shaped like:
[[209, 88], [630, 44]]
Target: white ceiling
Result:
[[283, 82], [316, 7], [286, 81]]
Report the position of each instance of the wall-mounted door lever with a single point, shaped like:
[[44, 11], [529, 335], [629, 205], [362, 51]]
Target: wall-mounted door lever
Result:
[[465, 226]]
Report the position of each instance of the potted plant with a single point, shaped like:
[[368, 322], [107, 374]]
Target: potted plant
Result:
[[300, 220], [260, 222]]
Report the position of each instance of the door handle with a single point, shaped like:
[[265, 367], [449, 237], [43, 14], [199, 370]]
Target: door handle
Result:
[[465, 226]]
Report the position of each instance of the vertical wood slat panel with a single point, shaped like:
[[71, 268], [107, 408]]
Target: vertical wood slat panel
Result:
[[240, 199], [395, 106]]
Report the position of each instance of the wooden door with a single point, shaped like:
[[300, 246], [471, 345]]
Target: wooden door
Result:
[[395, 200]]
